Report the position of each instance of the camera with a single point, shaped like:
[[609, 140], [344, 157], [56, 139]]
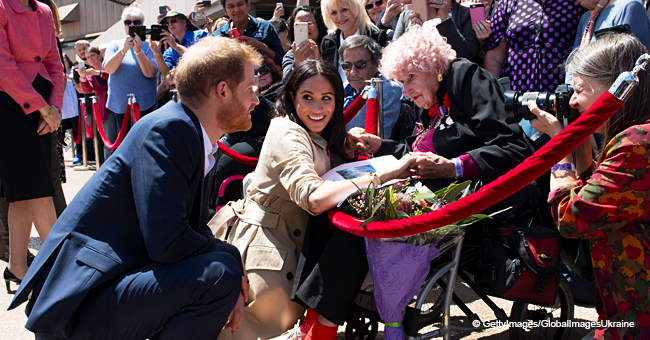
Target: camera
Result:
[[556, 103], [156, 31]]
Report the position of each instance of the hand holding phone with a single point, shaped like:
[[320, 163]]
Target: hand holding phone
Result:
[[162, 10], [300, 32], [139, 30]]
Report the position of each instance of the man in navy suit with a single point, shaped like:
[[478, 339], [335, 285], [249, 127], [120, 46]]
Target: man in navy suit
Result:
[[132, 257]]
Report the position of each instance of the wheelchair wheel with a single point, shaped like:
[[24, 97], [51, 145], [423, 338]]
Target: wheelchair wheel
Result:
[[359, 327], [561, 311], [432, 306]]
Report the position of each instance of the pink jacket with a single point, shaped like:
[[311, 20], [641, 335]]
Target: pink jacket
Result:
[[27, 48]]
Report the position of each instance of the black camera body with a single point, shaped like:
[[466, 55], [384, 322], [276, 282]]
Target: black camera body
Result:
[[139, 30], [156, 31], [556, 103]]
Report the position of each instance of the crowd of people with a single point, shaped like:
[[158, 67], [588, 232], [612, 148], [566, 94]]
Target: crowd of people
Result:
[[210, 258]]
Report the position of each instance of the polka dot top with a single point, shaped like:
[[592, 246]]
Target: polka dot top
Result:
[[540, 36]]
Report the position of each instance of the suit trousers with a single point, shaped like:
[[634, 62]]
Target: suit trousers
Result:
[[188, 299]]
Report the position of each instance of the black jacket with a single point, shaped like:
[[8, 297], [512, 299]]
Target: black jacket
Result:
[[329, 47], [479, 126]]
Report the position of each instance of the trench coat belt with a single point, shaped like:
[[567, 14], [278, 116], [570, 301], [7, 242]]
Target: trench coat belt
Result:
[[247, 211]]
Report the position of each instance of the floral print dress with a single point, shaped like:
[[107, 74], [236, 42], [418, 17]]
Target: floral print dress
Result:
[[611, 210]]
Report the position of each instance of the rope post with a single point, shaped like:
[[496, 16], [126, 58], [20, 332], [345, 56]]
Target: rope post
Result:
[[98, 162], [130, 102], [82, 131], [173, 95], [378, 85]]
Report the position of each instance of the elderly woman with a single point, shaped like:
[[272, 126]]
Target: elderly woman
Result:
[[465, 137], [132, 68], [346, 18], [608, 201], [31, 95], [309, 49]]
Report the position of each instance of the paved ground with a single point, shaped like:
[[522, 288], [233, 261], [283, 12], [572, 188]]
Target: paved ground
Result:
[[12, 322]]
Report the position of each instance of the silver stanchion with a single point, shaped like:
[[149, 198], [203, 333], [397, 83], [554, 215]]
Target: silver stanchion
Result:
[[378, 85], [131, 101], [98, 162], [84, 146]]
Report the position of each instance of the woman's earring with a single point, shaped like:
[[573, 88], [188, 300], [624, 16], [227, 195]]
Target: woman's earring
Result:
[[439, 77]]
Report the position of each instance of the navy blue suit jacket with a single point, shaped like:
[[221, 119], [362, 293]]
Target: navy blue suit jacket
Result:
[[145, 205]]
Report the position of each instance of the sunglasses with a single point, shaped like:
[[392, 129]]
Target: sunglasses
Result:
[[360, 65], [172, 20], [262, 71], [376, 3], [132, 22]]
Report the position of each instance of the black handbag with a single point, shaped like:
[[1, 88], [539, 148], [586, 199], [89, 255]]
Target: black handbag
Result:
[[520, 263]]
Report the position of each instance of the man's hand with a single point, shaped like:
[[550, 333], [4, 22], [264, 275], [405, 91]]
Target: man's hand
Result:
[[238, 311], [251, 42], [432, 166], [168, 39]]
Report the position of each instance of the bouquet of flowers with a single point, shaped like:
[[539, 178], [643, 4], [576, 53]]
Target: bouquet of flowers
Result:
[[400, 265]]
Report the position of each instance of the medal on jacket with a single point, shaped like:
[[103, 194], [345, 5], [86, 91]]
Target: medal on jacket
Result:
[[437, 113]]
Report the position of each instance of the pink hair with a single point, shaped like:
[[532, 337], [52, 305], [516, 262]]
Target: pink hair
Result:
[[417, 51]]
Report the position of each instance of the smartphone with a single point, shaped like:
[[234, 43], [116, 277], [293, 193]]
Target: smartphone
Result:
[[207, 3], [234, 33], [80, 64], [477, 12], [156, 31], [279, 4], [300, 32], [421, 7], [162, 10], [199, 16], [141, 31]]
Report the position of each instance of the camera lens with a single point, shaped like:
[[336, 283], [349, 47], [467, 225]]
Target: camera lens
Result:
[[516, 104]]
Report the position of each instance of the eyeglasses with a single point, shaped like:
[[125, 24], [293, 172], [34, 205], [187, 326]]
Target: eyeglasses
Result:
[[262, 71], [133, 22], [360, 65], [376, 3], [172, 21]]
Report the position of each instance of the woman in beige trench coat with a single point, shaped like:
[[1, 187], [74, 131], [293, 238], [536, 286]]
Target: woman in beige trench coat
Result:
[[301, 143]]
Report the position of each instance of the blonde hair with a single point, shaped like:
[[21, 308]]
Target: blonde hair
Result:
[[133, 11], [358, 9], [210, 61]]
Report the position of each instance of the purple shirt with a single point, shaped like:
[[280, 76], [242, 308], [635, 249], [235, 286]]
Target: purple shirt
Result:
[[540, 36]]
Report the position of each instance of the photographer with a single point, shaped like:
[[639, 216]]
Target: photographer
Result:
[[608, 201], [132, 67], [179, 35]]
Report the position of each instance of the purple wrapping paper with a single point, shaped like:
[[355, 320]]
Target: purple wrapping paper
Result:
[[398, 271]]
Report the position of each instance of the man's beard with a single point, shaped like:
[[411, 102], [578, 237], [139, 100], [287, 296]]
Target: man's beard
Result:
[[236, 118]]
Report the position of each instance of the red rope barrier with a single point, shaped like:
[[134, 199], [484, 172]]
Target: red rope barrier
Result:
[[354, 108], [372, 116], [77, 136], [252, 161], [102, 133], [90, 132], [136, 111], [534, 166]]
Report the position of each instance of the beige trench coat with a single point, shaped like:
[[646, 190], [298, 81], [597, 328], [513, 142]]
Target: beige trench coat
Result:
[[270, 225]]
